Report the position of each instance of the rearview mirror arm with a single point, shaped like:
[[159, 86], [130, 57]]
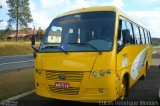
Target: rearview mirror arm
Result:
[[34, 48]]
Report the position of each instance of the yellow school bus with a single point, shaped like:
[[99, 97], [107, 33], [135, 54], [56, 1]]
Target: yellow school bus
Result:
[[92, 54]]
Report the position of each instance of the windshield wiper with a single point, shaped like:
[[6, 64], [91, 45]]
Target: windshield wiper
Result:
[[57, 47], [87, 45]]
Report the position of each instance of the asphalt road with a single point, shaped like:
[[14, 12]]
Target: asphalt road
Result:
[[16, 62], [143, 90], [156, 58]]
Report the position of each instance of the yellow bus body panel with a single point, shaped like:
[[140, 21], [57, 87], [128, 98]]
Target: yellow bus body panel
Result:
[[76, 63]]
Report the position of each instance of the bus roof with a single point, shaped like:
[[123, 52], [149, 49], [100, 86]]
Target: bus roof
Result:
[[99, 8], [91, 9]]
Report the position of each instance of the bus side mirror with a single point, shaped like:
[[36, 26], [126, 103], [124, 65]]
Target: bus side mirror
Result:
[[33, 39], [126, 36]]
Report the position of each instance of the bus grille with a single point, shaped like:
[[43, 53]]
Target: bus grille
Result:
[[69, 76], [66, 91]]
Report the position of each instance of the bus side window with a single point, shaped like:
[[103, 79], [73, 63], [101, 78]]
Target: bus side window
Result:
[[137, 34], [142, 36], [149, 41], [129, 27], [122, 26], [150, 37], [121, 33], [146, 36]]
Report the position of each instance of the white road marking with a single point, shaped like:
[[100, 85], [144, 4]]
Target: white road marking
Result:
[[17, 62], [156, 47], [154, 52], [2, 57]]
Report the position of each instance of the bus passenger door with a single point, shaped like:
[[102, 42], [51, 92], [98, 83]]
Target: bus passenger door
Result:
[[122, 55], [125, 49]]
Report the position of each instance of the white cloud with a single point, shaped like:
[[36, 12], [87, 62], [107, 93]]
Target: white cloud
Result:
[[69, 5], [45, 10], [81, 4], [3, 3], [48, 10], [65, 4], [149, 19], [77, 4], [32, 5], [40, 17], [52, 4], [118, 3], [2, 24]]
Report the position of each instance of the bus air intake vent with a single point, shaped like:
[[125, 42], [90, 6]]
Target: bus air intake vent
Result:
[[65, 91], [64, 76]]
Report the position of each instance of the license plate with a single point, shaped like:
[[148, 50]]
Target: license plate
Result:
[[61, 85]]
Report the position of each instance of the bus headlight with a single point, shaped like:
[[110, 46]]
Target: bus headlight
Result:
[[37, 71], [95, 74], [102, 72]]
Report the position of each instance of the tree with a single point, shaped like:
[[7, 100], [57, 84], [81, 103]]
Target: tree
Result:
[[4, 34], [40, 33], [19, 13]]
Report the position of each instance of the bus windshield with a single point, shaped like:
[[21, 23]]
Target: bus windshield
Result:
[[90, 31]]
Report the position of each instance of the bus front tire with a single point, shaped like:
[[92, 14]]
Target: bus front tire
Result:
[[123, 90]]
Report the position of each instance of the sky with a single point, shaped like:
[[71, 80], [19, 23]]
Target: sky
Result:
[[145, 12]]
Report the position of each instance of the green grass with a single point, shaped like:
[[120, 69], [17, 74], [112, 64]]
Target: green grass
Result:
[[16, 82], [15, 48]]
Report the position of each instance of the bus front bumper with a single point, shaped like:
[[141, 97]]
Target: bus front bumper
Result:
[[90, 90]]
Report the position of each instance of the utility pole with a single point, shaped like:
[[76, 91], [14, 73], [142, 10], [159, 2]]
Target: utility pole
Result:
[[17, 20]]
